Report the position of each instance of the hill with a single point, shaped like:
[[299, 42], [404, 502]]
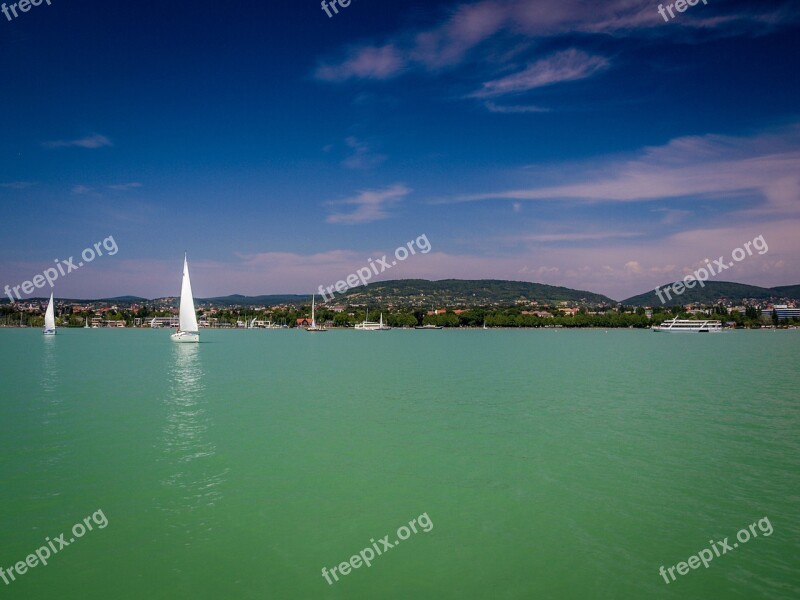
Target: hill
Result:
[[788, 291], [714, 292], [421, 293], [265, 300]]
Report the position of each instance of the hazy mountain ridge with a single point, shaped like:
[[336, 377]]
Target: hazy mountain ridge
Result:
[[466, 293]]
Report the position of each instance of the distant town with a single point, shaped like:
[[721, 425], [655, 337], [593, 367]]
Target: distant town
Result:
[[401, 310]]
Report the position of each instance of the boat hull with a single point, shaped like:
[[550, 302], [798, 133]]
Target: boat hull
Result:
[[687, 330], [184, 337], [48, 332], [658, 329]]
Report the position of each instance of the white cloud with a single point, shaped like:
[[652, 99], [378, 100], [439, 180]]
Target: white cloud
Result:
[[568, 65], [514, 108], [16, 185], [469, 25], [369, 205], [361, 156], [715, 167], [123, 187], [366, 63], [91, 142], [574, 236]]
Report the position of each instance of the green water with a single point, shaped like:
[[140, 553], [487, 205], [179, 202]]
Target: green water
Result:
[[552, 463]]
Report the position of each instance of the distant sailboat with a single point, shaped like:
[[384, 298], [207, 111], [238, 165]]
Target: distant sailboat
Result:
[[86, 324], [314, 328], [50, 318], [187, 328]]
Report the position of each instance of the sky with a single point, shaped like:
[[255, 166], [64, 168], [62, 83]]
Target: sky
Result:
[[595, 145]]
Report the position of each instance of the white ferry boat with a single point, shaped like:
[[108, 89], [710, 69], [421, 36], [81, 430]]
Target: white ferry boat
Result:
[[367, 325], [677, 325]]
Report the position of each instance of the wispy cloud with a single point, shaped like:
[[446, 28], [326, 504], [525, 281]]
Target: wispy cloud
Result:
[[575, 236], [91, 142], [16, 185], [765, 166], [469, 25], [369, 205], [568, 65], [124, 187], [364, 63], [514, 108], [80, 190], [361, 155]]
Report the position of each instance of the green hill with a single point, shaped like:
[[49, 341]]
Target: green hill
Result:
[[268, 300], [714, 292], [788, 291], [422, 293]]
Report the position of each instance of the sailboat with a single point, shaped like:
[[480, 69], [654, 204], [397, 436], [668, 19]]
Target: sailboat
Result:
[[49, 318], [86, 323], [187, 329], [314, 328]]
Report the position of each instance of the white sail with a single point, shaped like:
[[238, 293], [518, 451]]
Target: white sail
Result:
[[314, 328], [188, 318], [50, 317]]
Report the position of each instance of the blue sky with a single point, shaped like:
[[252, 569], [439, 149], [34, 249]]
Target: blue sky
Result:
[[585, 144]]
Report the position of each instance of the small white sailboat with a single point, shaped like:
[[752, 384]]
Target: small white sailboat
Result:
[[314, 328], [86, 323], [49, 318], [187, 328]]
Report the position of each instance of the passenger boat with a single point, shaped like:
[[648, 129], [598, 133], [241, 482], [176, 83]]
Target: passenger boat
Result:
[[677, 325]]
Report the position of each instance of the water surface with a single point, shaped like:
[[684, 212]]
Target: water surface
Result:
[[552, 463]]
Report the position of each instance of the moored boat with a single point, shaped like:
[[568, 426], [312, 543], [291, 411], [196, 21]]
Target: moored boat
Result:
[[367, 325], [677, 325]]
